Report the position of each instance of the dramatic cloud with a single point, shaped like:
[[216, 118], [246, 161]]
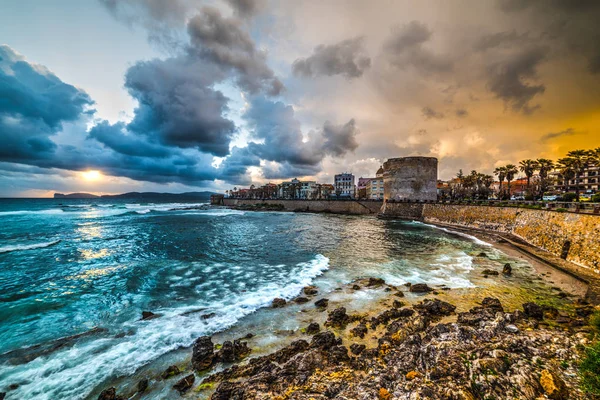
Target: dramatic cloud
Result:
[[246, 8], [339, 139], [405, 48], [501, 39], [346, 58], [563, 133], [430, 113]]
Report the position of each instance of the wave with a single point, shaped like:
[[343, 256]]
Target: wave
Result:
[[457, 233], [8, 249], [29, 212], [74, 372]]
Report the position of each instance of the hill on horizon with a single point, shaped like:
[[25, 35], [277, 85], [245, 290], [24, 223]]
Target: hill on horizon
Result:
[[136, 195]]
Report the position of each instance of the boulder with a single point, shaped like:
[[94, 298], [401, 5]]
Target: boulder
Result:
[[322, 303], [313, 328], [507, 270], [553, 385], [148, 315], [359, 331], [376, 282], [493, 304], [420, 288], [355, 287], [533, 310], [171, 371], [338, 318], [482, 255], [184, 384], [301, 300], [278, 302], [435, 307], [232, 351], [356, 348], [488, 271], [310, 290], [107, 394], [338, 354], [323, 340], [142, 385], [398, 304], [203, 353]]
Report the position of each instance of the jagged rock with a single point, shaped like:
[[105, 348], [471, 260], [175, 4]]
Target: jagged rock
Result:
[[301, 300], [488, 271], [313, 328], [493, 304], [359, 331], [420, 288], [203, 353], [184, 384], [278, 302], [399, 294], [208, 316], [171, 371], [148, 315], [338, 318], [110, 394], [142, 385], [356, 348], [322, 303], [398, 304], [533, 310], [323, 340], [554, 387], [375, 282], [355, 287], [310, 290], [435, 307], [482, 255], [2, 395], [232, 351], [338, 354], [507, 270]]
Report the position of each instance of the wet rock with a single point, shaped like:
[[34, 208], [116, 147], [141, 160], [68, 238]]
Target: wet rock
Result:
[[355, 287], [301, 300], [203, 353], [142, 385], [493, 304], [399, 294], [338, 318], [356, 348], [171, 371], [359, 331], [339, 354], [248, 336], [398, 304], [313, 328], [232, 351], [110, 394], [2, 395], [184, 384], [322, 303], [148, 315], [482, 255], [208, 316], [533, 310], [420, 288], [435, 307], [488, 271], [310, 290], [278, 302], [554, 387], [323, 340], [375, 282], [507, 269], [511, 329]]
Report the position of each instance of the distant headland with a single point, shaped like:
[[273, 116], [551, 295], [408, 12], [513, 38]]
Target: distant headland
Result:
[[136, 195]]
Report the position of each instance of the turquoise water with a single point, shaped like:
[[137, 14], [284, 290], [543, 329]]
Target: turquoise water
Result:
[[90, 267]]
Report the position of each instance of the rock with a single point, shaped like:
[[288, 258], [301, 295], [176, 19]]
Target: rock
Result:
[[359, 331], [248, 336], [507, 270], [323, 340], [322, 303], [412, 375], [203, 353], [550, 312], [171, 371], [511, 329], [399, 294], [338, 318], [313, 328], [493, 304], [310, 290], [482, 255], [148, 315], [2, 395], [553, 385], [142, 385], [109, 394], [278, 302], [184, 384], [489, 272], [375, 282], [338, 354], [356, 348], [420, 288], [435, 307], [355, 287], [532, 310], [398, 304], [384, 394], [301, 300], [207, 316]]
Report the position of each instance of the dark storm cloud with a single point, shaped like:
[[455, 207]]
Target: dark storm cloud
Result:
[[246, 8], [224, 42], [430, 113], [287, 170], [235, 167], [501, 39], [339, 139], [406, 48], [553, 135], [346, 58], [508, 79], [116, 137]]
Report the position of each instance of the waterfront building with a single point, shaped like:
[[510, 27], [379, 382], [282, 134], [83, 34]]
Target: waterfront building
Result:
[[308, 190], [589, 181], [344, 185], [327, 190], [361, 187]]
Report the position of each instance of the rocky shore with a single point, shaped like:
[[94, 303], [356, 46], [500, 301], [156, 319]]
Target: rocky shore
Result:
[[423, 350]]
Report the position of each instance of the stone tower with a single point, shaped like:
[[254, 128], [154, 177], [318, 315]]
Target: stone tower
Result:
[[410, 178]]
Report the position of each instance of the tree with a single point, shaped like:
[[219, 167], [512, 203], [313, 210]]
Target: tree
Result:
[[544, 167], [528, 167], [500, 172], [511, 171], [575, 163]]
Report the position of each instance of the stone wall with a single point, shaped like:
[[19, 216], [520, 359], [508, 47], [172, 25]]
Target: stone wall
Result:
[[548, 230], [410, 178], [352, 207], [410, 211]]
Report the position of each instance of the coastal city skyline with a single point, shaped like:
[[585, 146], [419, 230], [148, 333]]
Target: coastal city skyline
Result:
[[203, 95]]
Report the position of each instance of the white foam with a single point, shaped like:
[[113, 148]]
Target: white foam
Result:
[[473, 238], [72, 373], [29, 212], [7, 249]]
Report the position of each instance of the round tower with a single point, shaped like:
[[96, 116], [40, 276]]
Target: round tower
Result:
[[410, 178]]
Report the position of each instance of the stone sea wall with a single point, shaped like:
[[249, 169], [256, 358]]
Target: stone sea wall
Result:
[[351, 207], [575, 235]]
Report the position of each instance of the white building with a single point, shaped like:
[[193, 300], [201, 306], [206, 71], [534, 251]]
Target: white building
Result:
[[344, 185]]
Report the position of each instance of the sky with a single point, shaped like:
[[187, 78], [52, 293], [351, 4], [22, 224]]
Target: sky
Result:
[[187, 95]]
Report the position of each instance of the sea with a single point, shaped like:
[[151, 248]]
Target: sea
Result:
[[76, 275]]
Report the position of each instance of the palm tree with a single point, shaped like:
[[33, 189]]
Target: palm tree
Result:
[[501, 173], [577, 161], [544, 167], [511, 171], [528, 167]]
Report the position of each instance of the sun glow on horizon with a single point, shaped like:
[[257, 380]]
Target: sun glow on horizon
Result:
[[91, 175]]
